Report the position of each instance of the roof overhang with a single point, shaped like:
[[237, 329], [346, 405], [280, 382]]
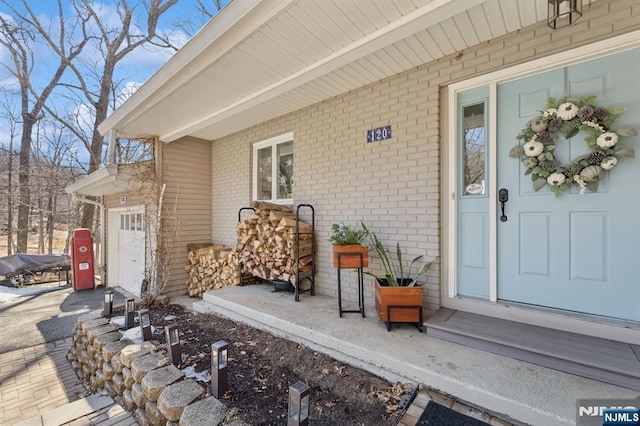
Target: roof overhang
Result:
[[260, 59], [111, 179]]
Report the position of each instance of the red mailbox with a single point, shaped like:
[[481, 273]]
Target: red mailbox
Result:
[[82, 271]]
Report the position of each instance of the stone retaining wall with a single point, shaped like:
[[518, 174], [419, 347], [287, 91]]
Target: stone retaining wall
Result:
[[140, 378]]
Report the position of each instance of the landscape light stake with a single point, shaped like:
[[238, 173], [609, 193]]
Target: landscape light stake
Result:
[[298, 405], [145, 324], [129, 316], [219, 357], [107, 308], [173, 344]]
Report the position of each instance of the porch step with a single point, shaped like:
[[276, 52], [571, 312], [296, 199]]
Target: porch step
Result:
[[605, 360]]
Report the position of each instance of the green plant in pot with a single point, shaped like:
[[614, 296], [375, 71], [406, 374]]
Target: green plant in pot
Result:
[[348, 243], [398, 296]]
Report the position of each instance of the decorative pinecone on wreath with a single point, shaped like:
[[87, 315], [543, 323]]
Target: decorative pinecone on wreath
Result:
[[554, 124], [596, 157], [585, 112], [545, 137], [600, 114], [576, 122]]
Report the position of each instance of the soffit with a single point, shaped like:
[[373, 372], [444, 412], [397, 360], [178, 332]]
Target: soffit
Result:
[[309, 51], [112, 179]]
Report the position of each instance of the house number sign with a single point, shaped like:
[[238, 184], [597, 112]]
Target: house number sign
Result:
[[379, 134]]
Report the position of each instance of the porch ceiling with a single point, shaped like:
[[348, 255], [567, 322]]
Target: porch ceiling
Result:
[[259, 59]]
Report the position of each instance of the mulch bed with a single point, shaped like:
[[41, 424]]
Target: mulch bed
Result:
[[263, 366]]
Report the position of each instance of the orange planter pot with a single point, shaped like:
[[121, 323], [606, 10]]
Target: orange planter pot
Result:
[[411, 297], [350, 257]]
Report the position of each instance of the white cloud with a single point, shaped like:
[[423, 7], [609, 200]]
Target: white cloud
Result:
[[7, 80], [127, 90], [108, 14], [84, 115], [153, 57], [147, 57], [177, 38]]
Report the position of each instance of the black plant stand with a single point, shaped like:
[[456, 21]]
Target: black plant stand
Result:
[[360, 285]]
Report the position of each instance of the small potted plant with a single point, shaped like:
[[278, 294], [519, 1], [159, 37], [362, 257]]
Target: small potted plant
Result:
[[347, 243], [397, 288]]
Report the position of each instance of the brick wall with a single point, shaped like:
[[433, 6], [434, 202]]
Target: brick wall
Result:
[[392, 185]]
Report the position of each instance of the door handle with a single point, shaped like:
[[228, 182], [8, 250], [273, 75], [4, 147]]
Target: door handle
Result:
[[503, 197]]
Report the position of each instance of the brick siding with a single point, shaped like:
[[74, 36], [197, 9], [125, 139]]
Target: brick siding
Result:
[[393, 185]]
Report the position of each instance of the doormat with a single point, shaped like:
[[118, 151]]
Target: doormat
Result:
[[436, 414]]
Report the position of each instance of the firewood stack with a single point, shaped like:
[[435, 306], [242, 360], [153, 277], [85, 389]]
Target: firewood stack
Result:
[[266, 249], [210, 268]]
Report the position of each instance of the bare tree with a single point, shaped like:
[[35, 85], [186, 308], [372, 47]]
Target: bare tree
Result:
[[51, 154], [18, 35], [95, 85], [9, 116], [74, 56], [65, 38], [204, 11]]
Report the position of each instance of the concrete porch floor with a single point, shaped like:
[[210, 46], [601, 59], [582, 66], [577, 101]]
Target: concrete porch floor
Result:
[[512, 389]]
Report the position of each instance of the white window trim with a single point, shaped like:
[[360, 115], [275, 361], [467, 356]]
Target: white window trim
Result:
[[272, 142]]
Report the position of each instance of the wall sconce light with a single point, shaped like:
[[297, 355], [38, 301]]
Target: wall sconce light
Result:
[[129, 315], [298, 405], [219, 359], [562, 13], [173, 344], [107, 307], [145, 324]]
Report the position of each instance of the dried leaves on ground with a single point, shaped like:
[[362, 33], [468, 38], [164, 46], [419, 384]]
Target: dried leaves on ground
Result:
[[263, 366]]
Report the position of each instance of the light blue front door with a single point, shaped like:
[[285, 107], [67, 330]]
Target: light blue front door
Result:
[[574, 252]]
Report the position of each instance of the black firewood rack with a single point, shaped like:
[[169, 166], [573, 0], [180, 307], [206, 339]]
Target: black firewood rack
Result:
[[300, 275], [310, 275]]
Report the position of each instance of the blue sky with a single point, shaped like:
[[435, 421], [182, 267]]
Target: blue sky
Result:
[[130, 73], [138, 65]]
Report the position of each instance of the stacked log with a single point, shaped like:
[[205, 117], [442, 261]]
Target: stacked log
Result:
[[210, 268], [267, 243], [266, 248]]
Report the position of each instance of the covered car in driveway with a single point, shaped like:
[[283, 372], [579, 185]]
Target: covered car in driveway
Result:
[[25, 266]]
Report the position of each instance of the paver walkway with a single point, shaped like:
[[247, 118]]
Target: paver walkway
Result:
[[37, 380]]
